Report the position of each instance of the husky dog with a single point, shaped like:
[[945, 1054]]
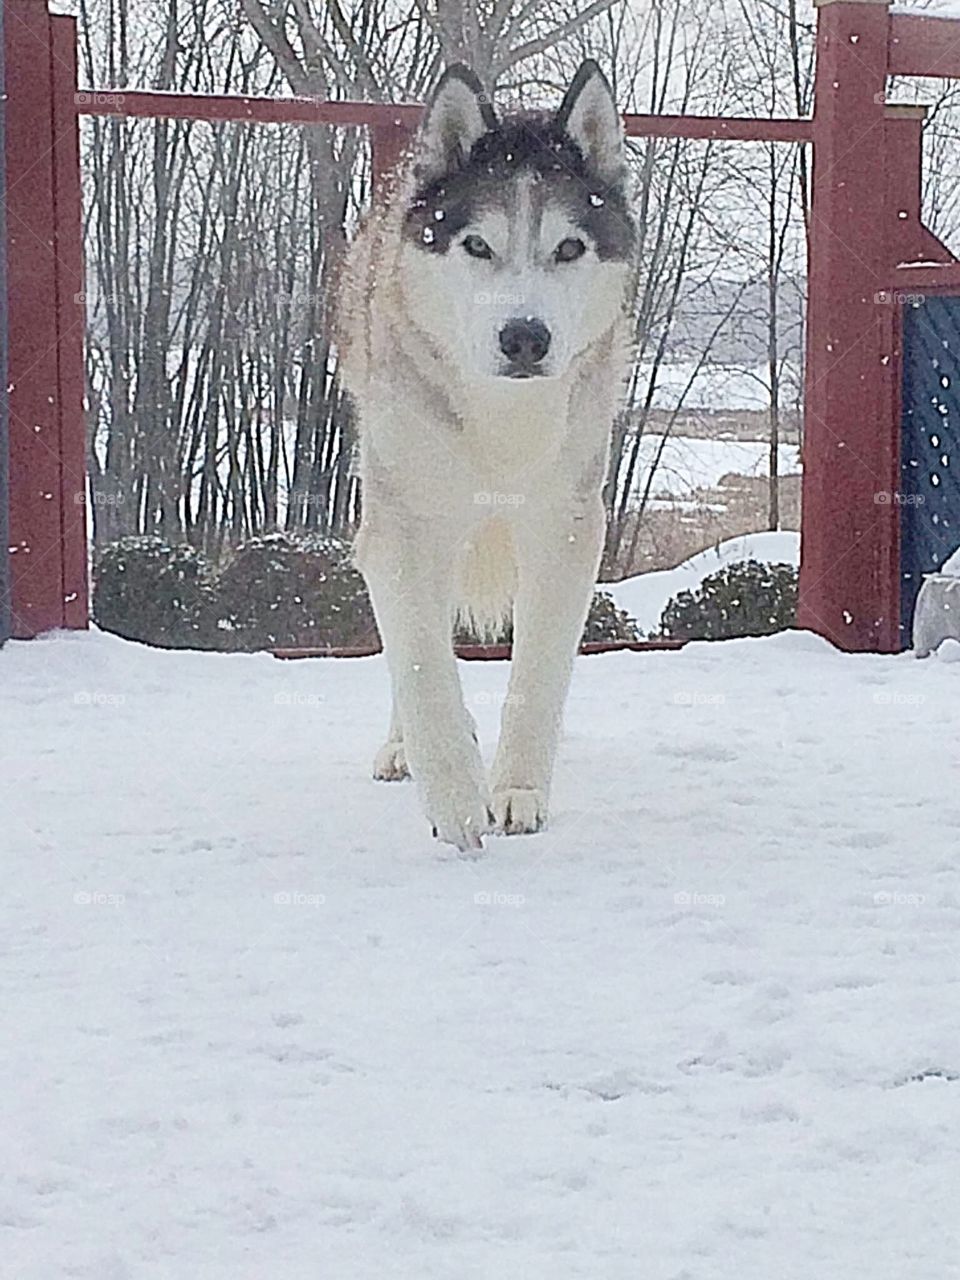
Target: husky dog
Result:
[[484, 322]]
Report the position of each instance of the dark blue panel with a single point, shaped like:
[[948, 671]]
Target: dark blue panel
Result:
[[929, 494]]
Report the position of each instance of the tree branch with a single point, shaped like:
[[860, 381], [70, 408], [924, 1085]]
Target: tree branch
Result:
[[542, 43], [276, 41]]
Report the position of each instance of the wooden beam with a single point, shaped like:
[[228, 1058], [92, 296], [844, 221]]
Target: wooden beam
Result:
[[849, 576], [385, 117], [5, 601], [483, 652], [923, 46], [34, 414]]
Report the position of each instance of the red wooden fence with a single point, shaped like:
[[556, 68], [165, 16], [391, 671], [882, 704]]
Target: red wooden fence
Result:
[[865, 221]]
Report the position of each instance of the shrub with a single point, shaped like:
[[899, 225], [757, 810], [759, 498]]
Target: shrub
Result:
[[277, 591], [604, 622], [273, 592], [145, 589], [745, 599]]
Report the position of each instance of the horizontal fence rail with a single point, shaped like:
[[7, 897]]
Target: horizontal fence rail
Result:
[[256, 110], [923, 46]]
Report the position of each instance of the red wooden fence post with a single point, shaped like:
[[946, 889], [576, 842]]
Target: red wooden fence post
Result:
[[848, 574], [387, 145], [909, 240], [47, 515], [35, 518]]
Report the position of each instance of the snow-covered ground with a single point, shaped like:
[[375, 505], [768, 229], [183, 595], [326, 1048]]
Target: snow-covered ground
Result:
[[259, 1025], [645, 596]]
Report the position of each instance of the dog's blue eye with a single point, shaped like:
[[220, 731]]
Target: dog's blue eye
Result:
[[477, 247], [569, 250]]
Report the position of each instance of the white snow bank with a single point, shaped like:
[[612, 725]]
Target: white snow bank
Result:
[[259, 1025], [645, 596]]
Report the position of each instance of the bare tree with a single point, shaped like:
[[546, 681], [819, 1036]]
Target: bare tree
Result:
[[215, 409]]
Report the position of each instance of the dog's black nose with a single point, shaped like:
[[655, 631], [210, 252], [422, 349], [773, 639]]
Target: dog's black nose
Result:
[[525, 342]]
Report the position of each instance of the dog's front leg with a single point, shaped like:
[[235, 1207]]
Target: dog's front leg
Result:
[[557, 570], [408, 573]]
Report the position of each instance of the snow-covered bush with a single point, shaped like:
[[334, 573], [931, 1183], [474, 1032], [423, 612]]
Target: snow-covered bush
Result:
[[606, 621], [274, 591], [745, 599], [146, 589], [277, 591]]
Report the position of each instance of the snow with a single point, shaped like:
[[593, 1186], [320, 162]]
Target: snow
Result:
[[690, 463], [645, 596], [260, 1025], [951, 566], [933, 9], [713, 386]]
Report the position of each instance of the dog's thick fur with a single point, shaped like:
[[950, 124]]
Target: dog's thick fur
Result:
[[483, 456]]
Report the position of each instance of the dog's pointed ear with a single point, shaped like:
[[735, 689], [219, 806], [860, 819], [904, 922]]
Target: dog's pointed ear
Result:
[[458, 113], [589, 116]]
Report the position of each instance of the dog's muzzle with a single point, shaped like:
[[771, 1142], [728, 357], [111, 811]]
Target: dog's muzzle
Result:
[[524, 343]]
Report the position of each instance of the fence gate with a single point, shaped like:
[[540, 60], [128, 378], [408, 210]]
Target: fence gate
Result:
[[929, 495]]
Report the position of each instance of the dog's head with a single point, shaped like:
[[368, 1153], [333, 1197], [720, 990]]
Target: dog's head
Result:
[[518, 239]]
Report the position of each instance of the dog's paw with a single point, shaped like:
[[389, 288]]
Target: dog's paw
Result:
[[462, 821], [518, 810], [460, 814], [390, 764]]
